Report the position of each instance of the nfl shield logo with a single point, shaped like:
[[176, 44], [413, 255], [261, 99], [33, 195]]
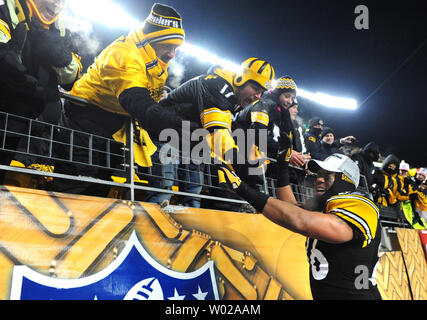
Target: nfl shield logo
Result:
[[134, 275]]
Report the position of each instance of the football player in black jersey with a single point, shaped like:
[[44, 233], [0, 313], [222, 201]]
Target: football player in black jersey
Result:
[[342, 227]]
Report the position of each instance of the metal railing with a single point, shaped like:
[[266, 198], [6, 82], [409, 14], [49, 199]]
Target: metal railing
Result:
[[47, 144]]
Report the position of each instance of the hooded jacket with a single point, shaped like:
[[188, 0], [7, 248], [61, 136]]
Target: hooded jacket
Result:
[[268, 114], [385, 181], [365, 160]]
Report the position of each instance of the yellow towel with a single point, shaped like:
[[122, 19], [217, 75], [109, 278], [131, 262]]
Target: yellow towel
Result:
[[144, 148]]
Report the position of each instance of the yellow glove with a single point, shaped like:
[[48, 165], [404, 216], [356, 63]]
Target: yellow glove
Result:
[[227, 177], [221, 143]]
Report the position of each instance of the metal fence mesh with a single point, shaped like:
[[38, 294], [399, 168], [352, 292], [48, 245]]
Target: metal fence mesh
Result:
[[44, 143]]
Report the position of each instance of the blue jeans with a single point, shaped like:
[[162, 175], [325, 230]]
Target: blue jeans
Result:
[[192, 175], [166, 175]]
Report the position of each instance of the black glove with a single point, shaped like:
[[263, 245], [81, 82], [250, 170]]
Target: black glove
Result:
[[169, 120], [284, 140], [283, 158], [49, 47], [13, 72], [414, 196]]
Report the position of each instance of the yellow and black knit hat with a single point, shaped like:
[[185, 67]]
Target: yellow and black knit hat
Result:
[[163, 25], [285, 84]]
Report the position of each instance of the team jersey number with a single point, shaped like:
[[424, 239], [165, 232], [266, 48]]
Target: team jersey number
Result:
[[319, 264]]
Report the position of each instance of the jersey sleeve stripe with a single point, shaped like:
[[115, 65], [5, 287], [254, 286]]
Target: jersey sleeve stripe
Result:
[[354, 196], [4, 28], [217, 124], [260, 117], [357, 221], [216, 118]]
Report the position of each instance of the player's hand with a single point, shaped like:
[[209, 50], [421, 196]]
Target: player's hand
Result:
[[229, 178], [284, 157]]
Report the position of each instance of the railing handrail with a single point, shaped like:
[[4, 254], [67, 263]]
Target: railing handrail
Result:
[[128, 166]]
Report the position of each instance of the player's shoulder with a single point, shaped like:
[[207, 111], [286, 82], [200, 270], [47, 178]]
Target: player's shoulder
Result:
[[354, 199], [357, 210], [265, 104], [354, 206], [219, 80]]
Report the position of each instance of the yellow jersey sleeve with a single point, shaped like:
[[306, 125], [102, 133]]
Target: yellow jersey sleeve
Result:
[[216, 118], [5, 35], [360, 212], [217, 105], [260, 117]]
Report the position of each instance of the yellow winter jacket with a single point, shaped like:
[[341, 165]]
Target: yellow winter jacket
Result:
[[126, 63], [122, 65]]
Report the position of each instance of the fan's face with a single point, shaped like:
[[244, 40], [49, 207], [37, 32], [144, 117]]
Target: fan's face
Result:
[[49, 9]]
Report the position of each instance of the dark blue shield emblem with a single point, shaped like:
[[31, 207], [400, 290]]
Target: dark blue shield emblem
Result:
[[134, 275]]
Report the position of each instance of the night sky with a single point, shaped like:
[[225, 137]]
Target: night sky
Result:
[[316, 42]]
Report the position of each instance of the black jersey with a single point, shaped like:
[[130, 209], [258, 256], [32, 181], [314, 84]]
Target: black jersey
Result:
[[347, 271], [208, 99]]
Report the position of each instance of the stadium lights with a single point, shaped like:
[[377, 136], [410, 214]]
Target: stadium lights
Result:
[[112, 15], [101, 11], [320, 98], [205, 56], [329, 101]]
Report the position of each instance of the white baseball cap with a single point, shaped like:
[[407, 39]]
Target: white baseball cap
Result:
[[337, 163], [404, 166]]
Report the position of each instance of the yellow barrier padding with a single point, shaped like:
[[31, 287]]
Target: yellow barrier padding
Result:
[[267, 241], [392, 279], [66, 236], [415, 262]]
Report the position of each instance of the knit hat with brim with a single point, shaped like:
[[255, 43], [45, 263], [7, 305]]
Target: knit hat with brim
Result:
[[163, 25]]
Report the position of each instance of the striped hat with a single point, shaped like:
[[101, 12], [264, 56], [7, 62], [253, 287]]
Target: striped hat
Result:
[[285, 84], [163, 25]]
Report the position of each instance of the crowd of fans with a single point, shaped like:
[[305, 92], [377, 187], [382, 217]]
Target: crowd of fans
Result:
[[125, 86], [38, 55], [391, 181]]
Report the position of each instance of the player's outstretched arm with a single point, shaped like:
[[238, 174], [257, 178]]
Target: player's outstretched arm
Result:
[[316, 225]]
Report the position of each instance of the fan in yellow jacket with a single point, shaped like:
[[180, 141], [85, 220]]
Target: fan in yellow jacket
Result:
[[126, 79]]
